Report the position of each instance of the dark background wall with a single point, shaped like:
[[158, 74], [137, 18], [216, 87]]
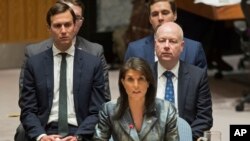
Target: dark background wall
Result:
[[89, 30]]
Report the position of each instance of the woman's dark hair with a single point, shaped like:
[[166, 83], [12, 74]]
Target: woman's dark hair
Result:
[[142, 66], [58, 8], [171, 2]]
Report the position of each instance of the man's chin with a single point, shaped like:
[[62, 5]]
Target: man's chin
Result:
[[160, 24], [65, 44], [166, 58], [65, 41]]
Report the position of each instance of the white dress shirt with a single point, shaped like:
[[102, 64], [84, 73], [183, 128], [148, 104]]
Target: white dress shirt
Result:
[[162, 80], [70, 98]]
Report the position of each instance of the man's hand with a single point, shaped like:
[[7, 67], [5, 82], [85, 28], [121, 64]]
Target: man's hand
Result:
[[58, 138], [69, 138], [51, 138]]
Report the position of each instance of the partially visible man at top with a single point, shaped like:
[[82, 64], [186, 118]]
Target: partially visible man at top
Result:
[[62, 89], [185, 85], [161, 11], [83, 44]]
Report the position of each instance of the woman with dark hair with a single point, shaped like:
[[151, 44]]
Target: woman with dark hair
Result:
[[137, 115]]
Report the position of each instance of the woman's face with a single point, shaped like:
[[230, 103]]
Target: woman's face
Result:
[[135, 84]]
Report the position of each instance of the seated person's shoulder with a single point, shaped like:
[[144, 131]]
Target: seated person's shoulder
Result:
[[89, 55], [141, 41], [162, 104], [164, 107], [191, 42], [45, 43], [110, 107], [38, 47], [111, 104], [37, 57], [194, 70], [89, 43]]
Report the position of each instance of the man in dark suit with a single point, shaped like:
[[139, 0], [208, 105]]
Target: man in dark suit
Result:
[[190, 90], [83, 44], [161, 11], [41, 94]]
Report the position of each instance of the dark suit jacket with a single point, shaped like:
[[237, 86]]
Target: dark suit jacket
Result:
[[194, 98], [193, 52], [37, 93], [81, 43]]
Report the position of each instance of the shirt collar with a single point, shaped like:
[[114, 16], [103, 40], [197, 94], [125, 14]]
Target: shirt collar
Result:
[[70, 50], [174, 70]]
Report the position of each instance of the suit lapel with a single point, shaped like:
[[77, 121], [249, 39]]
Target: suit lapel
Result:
[[148, 123], [80, 44], [183, 83], [127, 125], [149, 49], [77, 71], [49, 72], [126, 121], [77, 44], [155, 71]]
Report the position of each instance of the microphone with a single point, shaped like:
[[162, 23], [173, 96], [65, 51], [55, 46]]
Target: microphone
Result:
[[131, 126]]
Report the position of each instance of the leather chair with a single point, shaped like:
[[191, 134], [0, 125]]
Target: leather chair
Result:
[[244, 32]]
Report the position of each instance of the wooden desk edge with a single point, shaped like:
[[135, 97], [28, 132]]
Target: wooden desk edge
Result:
[[232, 12]]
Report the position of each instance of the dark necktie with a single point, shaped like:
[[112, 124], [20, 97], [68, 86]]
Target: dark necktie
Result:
[[169, 91], [62, 113]]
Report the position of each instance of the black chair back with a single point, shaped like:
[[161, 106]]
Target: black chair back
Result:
[[245, 6]]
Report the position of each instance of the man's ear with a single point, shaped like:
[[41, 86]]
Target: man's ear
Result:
[[149, 19], [175, 16], [182, 46], [83, 19], [82, 22], [48, 27]]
